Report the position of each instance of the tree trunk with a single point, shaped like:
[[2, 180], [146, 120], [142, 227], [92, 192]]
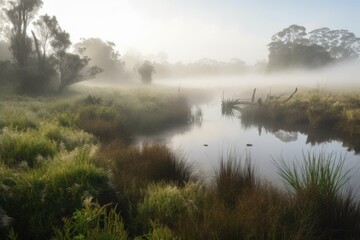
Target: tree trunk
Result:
[[38, 53]]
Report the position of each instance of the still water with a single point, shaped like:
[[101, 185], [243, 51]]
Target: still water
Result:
[[216, 135]]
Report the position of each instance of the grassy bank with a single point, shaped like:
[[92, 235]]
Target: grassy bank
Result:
[[321, 116], [69, 170]]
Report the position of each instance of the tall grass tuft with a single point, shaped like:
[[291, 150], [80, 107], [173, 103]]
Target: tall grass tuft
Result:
[[20, 119], [105, 122], [234, 177], [17, 147], [66, 137], [143, 165], [317, 188], [92, 222], [325, 172], [37, 200], [230, 107], [170, 204]]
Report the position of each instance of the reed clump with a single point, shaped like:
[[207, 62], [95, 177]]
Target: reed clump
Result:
[[318, 195], [234, 177]]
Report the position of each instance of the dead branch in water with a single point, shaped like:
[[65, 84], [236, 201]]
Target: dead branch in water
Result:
[[253, 96], [290, 96]]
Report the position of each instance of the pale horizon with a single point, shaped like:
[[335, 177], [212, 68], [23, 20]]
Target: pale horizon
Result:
[[188, 31]]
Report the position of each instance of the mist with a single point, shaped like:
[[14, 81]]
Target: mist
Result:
[[138, 119]]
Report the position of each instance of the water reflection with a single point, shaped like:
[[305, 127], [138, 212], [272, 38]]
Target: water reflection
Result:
[[214, 134], [286, 136], [289, 133], [315, 136]]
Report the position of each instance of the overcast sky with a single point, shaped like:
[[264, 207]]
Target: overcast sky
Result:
[[188, 30]]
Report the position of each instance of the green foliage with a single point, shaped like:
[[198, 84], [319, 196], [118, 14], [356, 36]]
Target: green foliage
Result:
[[43, 196], [17, 119], [316, 187], [159, 232], [67, 137], [92, 222], [321, 115], [66, 119], [169, 204], [28, 147], [320, 171]]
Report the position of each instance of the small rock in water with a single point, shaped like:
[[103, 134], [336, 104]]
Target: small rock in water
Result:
[[249, 145], [205, 145]]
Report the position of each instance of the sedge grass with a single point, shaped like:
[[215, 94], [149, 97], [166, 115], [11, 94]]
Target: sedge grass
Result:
[[234, 177], [92, 222], [317, 186]]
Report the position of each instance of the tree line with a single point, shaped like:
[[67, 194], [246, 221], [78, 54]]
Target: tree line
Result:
[[294, 47], [41, 61]]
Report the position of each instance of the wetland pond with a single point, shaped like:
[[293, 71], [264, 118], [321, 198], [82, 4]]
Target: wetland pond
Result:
[[214, 135]]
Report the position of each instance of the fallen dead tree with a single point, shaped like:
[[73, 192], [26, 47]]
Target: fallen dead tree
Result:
[[228, 104]]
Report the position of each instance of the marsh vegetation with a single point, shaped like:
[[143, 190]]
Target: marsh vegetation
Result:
[[72, 166], [163, 152]]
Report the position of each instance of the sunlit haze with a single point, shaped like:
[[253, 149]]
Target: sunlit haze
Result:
[[191, 30]]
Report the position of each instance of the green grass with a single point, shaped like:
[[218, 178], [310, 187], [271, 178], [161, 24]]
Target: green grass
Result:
[[78, 148], [317, 187], [37, 200], [65, 137], [318, 110], [27, 147], [92, 222], [17, 119], [322, 116]]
